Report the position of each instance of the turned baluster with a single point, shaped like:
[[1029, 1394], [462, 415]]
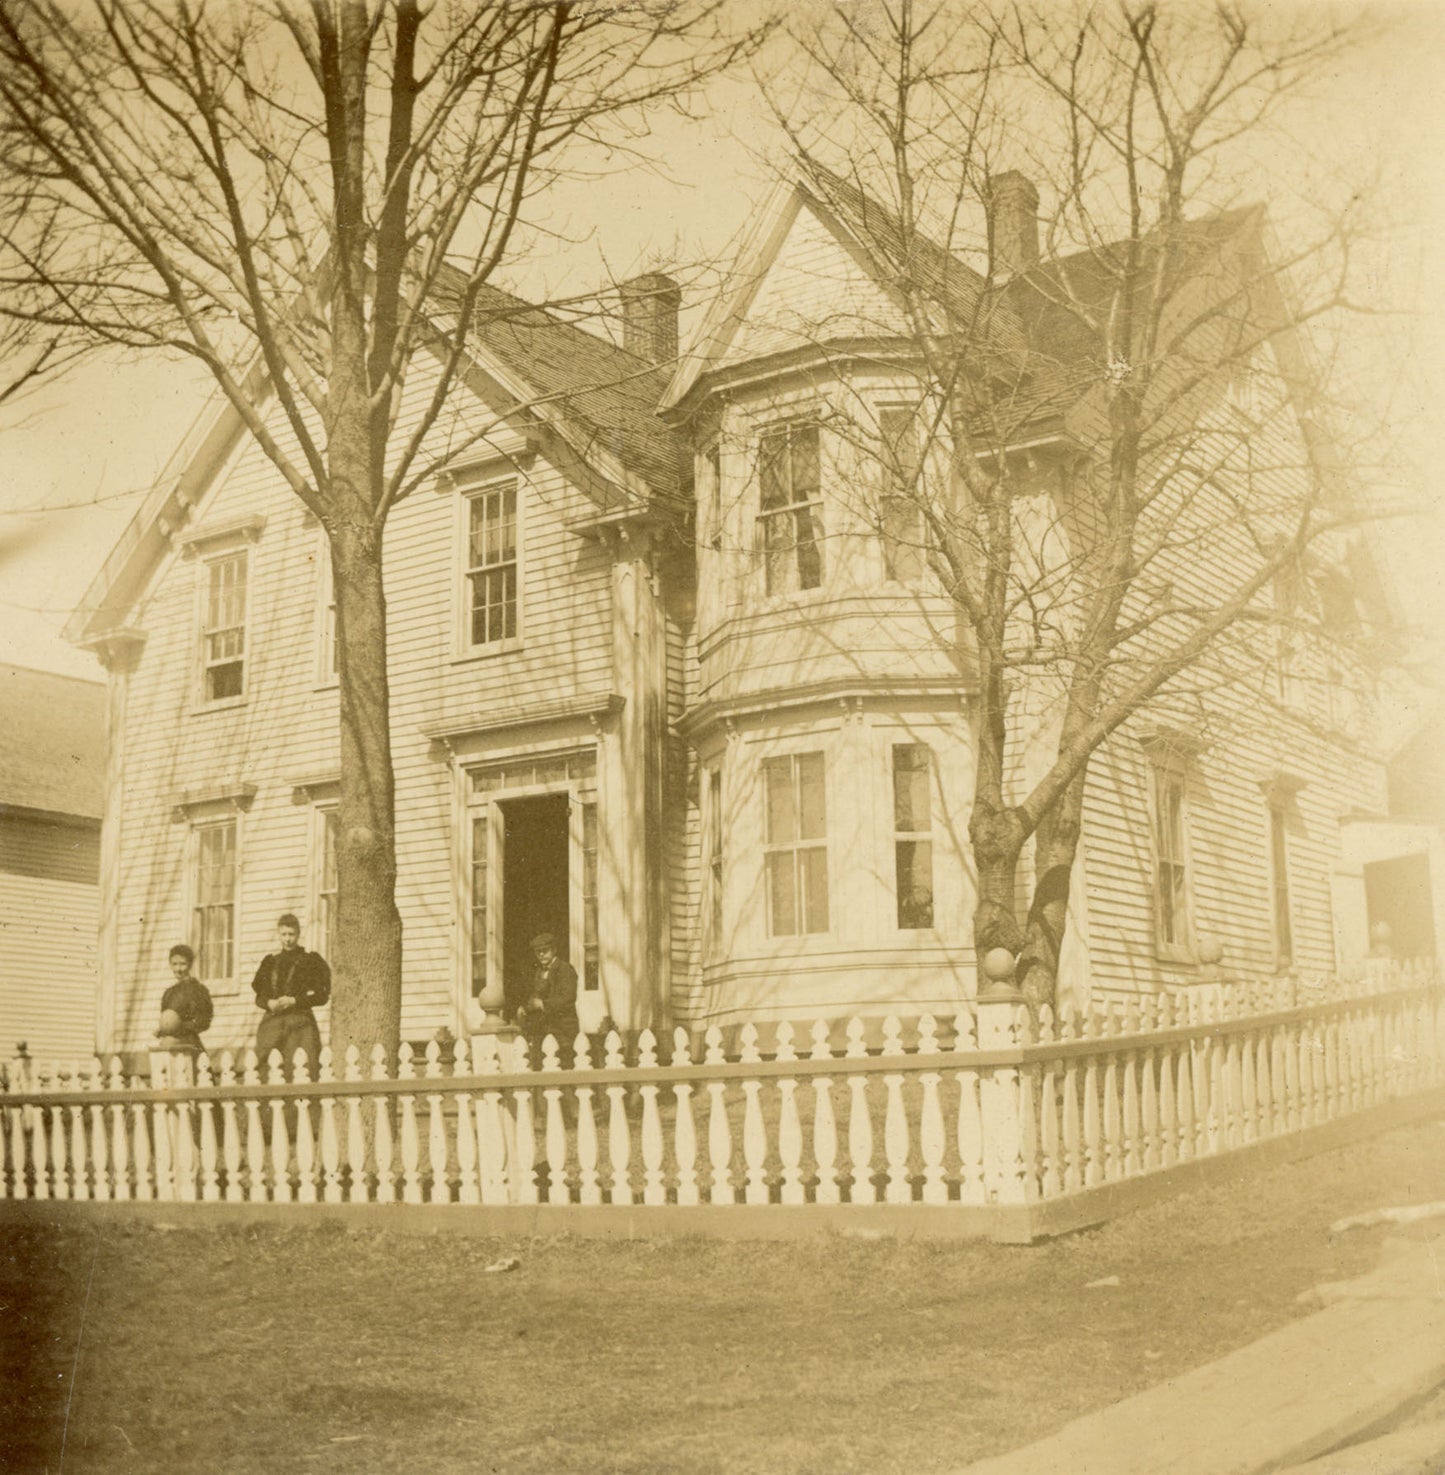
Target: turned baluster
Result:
[[719, 1131], [684, 1134], [930, 1119], [589, 1186], [468, 1191], [619, 1135], [860, 1122], [825, 1126], [383, 1149], [790, 1129], [653, 1189]]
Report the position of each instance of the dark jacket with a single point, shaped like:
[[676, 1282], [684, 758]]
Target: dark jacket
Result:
[[191, 999], [557, 989], [304, 976]]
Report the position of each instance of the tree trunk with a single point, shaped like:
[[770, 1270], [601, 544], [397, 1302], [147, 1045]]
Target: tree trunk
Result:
[[366, 997], [996, 837], [1056, 842]]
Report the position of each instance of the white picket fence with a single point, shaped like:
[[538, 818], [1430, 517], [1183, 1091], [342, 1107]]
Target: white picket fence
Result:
[[990, 1110]]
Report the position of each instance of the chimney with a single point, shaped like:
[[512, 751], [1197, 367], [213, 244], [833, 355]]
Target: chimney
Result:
[[1013, 223], [649, 316]]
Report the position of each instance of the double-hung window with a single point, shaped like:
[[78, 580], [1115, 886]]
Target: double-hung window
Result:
[[1171, 865], [491, 572], [213, 909], [328, 830], [900, 511], [327, 665], [913, 834], [1281, 909], [790, 507], [223, 627], [795, 844], [713, 877]]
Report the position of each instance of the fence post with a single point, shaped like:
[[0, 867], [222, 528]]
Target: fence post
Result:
[[1006, 1158]]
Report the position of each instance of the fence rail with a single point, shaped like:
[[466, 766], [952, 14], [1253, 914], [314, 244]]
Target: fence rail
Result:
[[990, 1107]]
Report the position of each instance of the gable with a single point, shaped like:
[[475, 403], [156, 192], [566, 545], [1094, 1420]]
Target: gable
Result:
[[814, 290]]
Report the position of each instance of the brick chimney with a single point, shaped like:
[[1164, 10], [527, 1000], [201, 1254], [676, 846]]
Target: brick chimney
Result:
[[1013, 223], [649, 316]]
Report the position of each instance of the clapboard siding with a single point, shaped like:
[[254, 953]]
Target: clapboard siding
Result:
[[47, 966], [286, 729], [50, 849], [814, 289]]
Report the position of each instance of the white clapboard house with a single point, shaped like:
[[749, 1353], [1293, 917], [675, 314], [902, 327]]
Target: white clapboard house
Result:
[[660, 686], [52, 787]]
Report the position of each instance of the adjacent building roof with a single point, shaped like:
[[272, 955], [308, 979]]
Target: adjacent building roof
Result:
[[52, 742]]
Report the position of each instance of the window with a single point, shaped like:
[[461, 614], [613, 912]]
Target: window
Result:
[[479, 904], [714, 862], [900, 511], [326, 607], [1171, 874], [591, 954], [712, 498], [795, 845], [790, 509], [328, 831], [1279, 887], [213, 914], [913, 834], [223, 629], [492, 564]]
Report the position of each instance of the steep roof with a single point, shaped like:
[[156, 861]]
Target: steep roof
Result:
[[52, 742], [607, 394], [599, 397]]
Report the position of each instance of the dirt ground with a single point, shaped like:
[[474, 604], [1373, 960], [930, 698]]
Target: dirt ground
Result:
[[240, 1351]]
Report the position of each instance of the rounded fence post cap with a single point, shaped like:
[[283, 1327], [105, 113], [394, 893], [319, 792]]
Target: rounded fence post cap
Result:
[[1380, 933], [1211, 950], [998, 965]]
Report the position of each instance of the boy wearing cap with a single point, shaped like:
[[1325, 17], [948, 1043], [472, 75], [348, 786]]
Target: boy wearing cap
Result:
[[289, 984]]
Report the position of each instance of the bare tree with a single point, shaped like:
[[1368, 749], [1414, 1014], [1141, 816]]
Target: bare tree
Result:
[[1117, 466], [300, 196]]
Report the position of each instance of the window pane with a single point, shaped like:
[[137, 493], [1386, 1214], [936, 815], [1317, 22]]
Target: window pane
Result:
[[810, 554], [782, 824], [479, 904], [806, 480], [773, 469], [911, 809], [914, 863], [815, 889], [782, 903], [812, 806]]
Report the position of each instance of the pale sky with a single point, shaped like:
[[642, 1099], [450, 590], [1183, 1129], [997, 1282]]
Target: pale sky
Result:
[[79, 456]]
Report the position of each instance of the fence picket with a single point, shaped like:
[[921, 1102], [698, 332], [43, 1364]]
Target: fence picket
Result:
[[589, 1188], [653, 1189], [619, 1134], [382, 1147], [79, 1153], [1094, 1162], [790, 1129], [825, 1124], [468, 1191], [898, 1189], [860, 1124], [206, 1122], [684, 1132]]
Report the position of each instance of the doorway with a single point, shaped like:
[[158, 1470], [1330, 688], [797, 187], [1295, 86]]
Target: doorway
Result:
[[1399, 892], [534, 886]]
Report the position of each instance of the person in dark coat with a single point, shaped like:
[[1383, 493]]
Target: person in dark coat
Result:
[[186, 1008], [552, 1007], [289, 984]]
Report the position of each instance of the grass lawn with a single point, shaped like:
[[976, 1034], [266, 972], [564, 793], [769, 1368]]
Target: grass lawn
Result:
[[266, 1350]]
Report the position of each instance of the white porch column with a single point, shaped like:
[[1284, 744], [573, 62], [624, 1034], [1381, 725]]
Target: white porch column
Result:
[[119, 652], [631, 839]]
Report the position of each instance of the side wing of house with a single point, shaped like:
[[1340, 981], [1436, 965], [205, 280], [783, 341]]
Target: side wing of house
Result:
[[1215, 818], [49, 911], [517, 753]]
